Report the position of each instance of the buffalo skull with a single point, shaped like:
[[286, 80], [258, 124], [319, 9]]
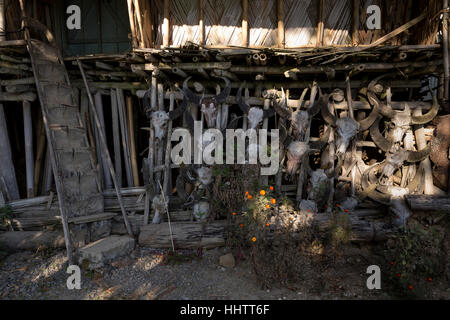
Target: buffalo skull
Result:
[[255, 115]]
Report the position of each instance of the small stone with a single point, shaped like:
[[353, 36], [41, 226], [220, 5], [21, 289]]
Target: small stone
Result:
[[227, 261]]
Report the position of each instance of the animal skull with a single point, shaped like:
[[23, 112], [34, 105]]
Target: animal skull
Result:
[[210, 111], [159, 122], [393, 161], [158, 206], [205, 176], [255, 117], [347, 129], [320, 187], [296, 151], [201, 210], [398, 206]]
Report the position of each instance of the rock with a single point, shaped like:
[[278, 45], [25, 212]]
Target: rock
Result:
[[105, 250], [227, 261]]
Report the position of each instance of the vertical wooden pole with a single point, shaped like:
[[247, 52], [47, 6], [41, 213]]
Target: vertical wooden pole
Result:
[[29, 157], [245, 23], [446, 57], [47, 179], [116, 137], [130, 119], [2, 21], [137, 9], [7, 171], [355, 23], [132, 25], [166, 183], [280, 15], [320, 25], [166, 24], [125, 139], [99, 108], [159, 143], [40, 150], [201, 24], [148, 26]]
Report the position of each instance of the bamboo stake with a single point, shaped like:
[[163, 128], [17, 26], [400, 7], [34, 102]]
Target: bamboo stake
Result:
[[168, 149], [125, 139], [280, 17], [106, 152], [245, 23], [355, 23], [132, 25], [166, 24], [159, 143], [139, 21], [116, 137], [47, 179], [99, 112], [320, 25], [2, 21], [40, 150], [148, 27], [130, 119], [201, 25], [29, 157]]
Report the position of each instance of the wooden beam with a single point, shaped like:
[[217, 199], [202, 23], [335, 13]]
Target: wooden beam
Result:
[[130, 118], [280, 18], [137, 9], [320, 25], [29, 157], [201, 24], [446, 58], [245, 23], [132, 25]]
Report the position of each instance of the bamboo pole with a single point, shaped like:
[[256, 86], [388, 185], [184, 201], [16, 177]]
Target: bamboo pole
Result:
[[159, 143], [29, 157], [125, 139], [99, 110], [116, 137], [130, 118], [106, 152], [280, 17], [353, 152], [2, 21], [201, 25], [166, 183], [446, 58], [320, 25], [132, 25], [355, 22], [245, 23], [40, 150], [166, 24], [148, 27], [137, 9], [47, 178]]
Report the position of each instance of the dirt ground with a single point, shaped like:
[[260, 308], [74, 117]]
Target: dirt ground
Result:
[[144, 275]]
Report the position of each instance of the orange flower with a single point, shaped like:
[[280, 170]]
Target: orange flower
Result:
[[241, 225], [429, 279], [292, 219], [234, 213], [250, 197], [271, 188], [246, 193], [268, 206], [254, 239], [262, 192], [338, 205], [267, 224], [309, 211], [346, 210], [273, 201], [391, 263], [410, 287]]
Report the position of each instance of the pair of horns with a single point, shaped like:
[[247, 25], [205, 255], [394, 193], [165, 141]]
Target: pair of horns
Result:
[[174, 114], [286, 113], [245, 107], [220, 98]]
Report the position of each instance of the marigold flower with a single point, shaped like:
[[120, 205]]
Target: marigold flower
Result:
[[410, 287], [338, 205], [250, 197], [429, 279], [346, 210], [271, 188], [262, 192], [267, 224], [246, 193], [241, 225], [254, 239], [273, 201], [267, 206]]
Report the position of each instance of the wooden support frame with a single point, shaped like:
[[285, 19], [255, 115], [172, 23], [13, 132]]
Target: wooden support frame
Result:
[[29, 157], [201, 24], [134, 39], [245, 23], [280, 18], [320, 25], [355, 22], [166, 24]]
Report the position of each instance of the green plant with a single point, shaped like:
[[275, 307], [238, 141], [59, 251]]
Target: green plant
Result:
[[340, 229]]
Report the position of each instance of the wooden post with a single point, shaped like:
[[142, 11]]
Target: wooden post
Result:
[[159, 143], [280, 17], [7, 171], [351, 114], [245, 23], [116, 137], [166, 24], [201, 24], [132, 25], [29, 157], [166, 183], [47, 179], [130, 119], [320, 25], [40, 150], [105, 151], [148, 27], [355, 23], [446, 58]]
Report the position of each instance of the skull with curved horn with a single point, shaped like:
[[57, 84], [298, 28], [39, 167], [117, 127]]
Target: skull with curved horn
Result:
[[255, 115], [159, 118], [346, 128], [299, 119], [208, 105]]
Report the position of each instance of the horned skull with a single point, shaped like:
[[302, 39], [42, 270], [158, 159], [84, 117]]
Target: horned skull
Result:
[[255, 115], [208, 105], [158, 206], [201, 210], [204, 176], [347, 129], [159, 122], [295, 154]]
